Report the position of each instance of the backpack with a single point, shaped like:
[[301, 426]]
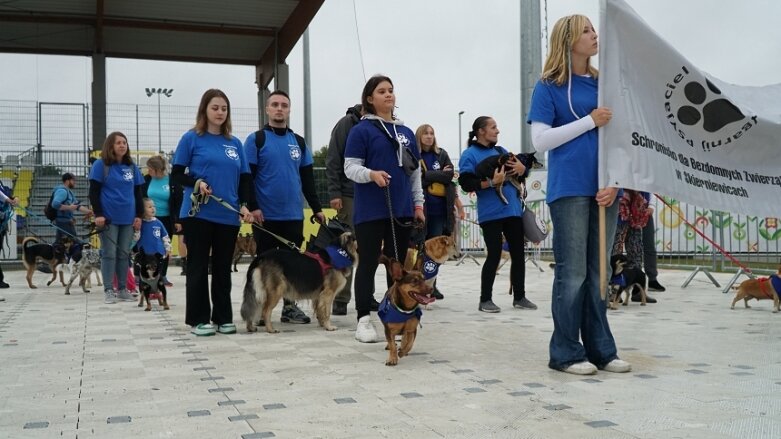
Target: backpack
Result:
[[260, 141], [48, 211]]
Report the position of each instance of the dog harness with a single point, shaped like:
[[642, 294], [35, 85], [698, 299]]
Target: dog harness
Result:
[[390, 313], [430, 267], [767, 283], [618, 280], [340, 259]]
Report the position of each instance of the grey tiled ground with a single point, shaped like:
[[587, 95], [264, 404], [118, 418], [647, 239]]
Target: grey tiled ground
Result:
[[76, 368]]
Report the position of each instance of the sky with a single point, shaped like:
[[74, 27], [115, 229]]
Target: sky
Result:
[[444, 56]]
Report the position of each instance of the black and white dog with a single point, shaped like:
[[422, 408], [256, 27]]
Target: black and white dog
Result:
[[84, 261], [149, 269], [627, 277]]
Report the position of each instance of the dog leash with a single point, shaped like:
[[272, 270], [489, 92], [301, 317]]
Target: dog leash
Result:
[[199, 199], [51, 223]]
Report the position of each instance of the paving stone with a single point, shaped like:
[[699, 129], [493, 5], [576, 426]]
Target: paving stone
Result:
[[39, 424], [260, 435], [118, 419], [600, 424], [231, 402], [242, 417], [412, 395], [275, 406], [556, 407], [345, 401], [474, 390], [196, 413]]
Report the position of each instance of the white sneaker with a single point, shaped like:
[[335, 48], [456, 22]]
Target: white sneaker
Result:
[[582, 368], [365, 332], [618, 366]]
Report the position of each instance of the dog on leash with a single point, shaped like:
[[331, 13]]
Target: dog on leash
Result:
[[245, 244], [760, 289], [399, 310], [318, 274], [433, 253], [487, 167], [85, 260], [52, 254], [627, 278], [149, 267]]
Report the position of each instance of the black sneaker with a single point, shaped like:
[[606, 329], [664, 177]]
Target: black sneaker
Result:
[[524, 303], [437, 295], [489, 306], [339, 309], [636, 297], [374, 305], [654, 285], [293, 314], [4, 285]]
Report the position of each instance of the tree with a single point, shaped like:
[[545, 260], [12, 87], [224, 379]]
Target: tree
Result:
[[319, 157]]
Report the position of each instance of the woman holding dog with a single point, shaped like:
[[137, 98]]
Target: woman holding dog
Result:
[[167, 198], [496, 218], [438, 188], [381, 157], [564, 118], [216, 166], [115, 194]]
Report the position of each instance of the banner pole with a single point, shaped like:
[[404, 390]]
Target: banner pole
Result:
[[602, 254]]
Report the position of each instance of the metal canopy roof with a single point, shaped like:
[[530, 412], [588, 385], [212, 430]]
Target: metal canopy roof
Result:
[[226, 32]]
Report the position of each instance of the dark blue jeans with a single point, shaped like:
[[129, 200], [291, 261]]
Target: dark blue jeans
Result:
[[578, 310]]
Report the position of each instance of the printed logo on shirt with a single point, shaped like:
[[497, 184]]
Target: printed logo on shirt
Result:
[[295, 152], [156, 232], [127, 174], [166, 188], [231, 152], [436, 166], [403, 140]]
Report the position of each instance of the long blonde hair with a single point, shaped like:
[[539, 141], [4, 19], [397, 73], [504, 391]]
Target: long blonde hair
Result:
[[419, 132], [566, 32]]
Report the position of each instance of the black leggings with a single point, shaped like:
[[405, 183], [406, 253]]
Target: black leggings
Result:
[[371, 236], [512, 228]]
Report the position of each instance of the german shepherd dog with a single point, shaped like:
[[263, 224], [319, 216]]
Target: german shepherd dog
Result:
[[85, 260], [400, 311], [53, 254], [148, 267], [317, 274], [626, 278], [244, 244], [487, 167]]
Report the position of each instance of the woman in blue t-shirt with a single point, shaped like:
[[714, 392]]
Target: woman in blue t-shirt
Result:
[[167, 198], [215, 164], [381, 157], [115, 194], [564, 118], [496, 218]]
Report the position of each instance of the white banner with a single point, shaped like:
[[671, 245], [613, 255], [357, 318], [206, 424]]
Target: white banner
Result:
[[680, 132]]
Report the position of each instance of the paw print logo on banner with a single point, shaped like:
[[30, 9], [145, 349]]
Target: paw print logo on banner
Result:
[[715, 113]]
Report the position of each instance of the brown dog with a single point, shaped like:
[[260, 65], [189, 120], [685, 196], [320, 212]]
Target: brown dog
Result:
[[435, 252], [400, 309], [244, 244], [53, 254], [760, 288]]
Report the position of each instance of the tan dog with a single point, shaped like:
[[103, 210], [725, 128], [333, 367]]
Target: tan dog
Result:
[[245, 244], [436, 250], [400, 309], [760, 289]]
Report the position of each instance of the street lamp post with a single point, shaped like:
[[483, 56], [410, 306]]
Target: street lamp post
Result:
[[460, 145], [159, 91]]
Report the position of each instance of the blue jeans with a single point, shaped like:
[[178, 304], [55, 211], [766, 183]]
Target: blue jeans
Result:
[[115, 246], [578, 310]]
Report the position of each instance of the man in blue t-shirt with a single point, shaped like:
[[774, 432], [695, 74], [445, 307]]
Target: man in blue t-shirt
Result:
[[65, 203], [282, 169]]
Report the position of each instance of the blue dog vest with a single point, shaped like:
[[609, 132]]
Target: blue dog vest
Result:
[[391, 314]]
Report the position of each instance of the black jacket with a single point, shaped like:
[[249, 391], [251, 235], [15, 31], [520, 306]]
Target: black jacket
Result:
[[338, 184], [446, 178]]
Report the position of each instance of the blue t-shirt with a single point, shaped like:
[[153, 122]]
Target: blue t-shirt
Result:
[[63, 195], [435, 206], [117, 193], [219, 162], [370, 143], [572, 167], [152, 234], [489, 206], [159, 191], [278, 180]]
